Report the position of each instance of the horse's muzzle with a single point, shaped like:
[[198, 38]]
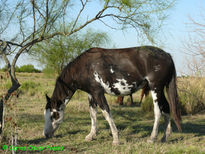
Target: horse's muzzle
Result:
[[48, 135]]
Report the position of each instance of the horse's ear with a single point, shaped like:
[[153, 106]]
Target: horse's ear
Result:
[[48, 99], [48, 104]]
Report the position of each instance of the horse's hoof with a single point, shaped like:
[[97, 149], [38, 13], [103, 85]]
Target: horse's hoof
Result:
[[88, 138], [150, 141], [115, 143], [163, 140]]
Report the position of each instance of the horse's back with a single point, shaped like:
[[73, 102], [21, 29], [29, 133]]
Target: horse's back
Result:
[[122, 71]]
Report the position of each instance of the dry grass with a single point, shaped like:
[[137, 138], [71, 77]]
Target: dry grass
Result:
[[192, 94]]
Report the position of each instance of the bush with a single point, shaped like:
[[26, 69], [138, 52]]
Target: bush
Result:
[[28, 68], [25, 68]]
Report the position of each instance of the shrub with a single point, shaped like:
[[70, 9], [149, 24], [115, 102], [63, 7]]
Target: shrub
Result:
[[28, 68], [25, 68]]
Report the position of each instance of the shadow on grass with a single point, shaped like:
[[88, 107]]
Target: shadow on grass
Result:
[[134, 119], [129, 120], [33, 141], [197, 129]]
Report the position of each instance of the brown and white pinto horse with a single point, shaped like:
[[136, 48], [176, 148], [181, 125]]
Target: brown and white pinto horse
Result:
[[116, 72]]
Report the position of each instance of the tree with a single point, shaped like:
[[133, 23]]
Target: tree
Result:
[[195, 48], [57, 52], [25, 23]]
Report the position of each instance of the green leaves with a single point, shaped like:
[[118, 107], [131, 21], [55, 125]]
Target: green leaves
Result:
[[59, 51]]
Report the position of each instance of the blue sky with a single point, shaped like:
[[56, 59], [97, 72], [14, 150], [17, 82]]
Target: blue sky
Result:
[[174, 33]]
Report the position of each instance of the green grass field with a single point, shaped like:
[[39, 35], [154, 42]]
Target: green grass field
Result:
[[133, 124]]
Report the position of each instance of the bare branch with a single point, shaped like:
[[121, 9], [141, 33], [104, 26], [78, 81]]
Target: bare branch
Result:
[[81, 10]]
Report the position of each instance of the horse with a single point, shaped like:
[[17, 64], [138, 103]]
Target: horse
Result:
[[118, 72], [145, 91]]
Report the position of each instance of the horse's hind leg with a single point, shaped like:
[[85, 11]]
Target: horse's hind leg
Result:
[[168, 128], [161, 107], [166, 113], [93, 116], [157, 114]]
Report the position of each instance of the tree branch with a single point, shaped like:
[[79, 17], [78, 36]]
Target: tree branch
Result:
[[81, 10]]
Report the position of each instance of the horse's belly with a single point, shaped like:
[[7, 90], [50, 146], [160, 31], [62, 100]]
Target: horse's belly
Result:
[[118, 87]]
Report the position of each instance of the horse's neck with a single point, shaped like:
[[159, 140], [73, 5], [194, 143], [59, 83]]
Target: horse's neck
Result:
[[64, 88]]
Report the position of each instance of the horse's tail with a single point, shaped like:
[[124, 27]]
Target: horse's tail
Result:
[[173, 99]]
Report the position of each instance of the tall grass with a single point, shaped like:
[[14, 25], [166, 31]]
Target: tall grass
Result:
[[192, 94], [30, 88]]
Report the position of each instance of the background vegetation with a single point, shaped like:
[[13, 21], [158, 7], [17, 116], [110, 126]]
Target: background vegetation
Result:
[[25, 68]]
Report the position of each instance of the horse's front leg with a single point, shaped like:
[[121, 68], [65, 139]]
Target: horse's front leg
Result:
[[102, 102], [93, 116], [113, 128]]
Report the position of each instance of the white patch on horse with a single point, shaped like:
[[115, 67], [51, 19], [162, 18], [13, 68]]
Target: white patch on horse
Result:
[[147, 79], [157, 114], [106, 86], [123, 87], [54, 110], [157, 68], [66, 101], [90, 97], [111, 70]]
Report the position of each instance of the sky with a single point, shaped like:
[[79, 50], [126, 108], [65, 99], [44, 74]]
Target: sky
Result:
[[172, 36]]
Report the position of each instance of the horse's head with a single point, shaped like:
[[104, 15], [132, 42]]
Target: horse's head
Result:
[[54, 114]]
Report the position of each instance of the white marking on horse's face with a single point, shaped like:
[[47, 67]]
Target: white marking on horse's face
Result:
[[106, 86], [51, 123], [56, 122], [48, 128], [123, 87]]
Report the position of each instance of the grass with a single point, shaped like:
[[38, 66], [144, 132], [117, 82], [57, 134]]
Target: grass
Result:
[[133, 123]]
